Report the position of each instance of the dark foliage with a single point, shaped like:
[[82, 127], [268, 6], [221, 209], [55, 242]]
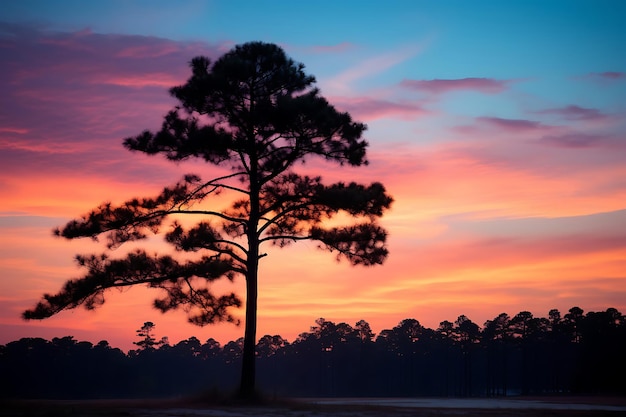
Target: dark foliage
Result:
[[523, 355]]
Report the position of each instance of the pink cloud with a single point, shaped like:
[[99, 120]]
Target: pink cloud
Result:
[[575, 140], [497, 173], [71, 58], [513, 125], [15, 130], [574, 112], [162, 80], [150, 49], [367, 109], [502, 251], [71, 41], [503, 125], [69, 99], [441, 86]]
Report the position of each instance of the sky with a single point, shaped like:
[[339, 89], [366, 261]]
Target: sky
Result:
[[499, 128]]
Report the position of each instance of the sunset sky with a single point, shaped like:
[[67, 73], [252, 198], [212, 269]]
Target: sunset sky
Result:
[[499, 127]]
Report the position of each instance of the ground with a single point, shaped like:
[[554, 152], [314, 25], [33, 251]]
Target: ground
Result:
[[339, 407]]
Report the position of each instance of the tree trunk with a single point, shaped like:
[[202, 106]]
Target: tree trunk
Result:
[[248, 368]]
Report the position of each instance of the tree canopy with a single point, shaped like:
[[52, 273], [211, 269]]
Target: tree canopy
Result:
[[255, 113]]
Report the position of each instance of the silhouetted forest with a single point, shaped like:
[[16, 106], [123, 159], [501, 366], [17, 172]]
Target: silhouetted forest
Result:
[[576, 353]]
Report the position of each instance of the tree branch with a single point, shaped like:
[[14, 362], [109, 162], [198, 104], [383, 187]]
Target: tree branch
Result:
[[137, 268], [362, 244]]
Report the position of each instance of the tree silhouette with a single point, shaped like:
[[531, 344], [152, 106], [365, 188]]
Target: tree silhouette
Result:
[[255, 114], [268, 345], [334, 359], [573, 321], [364, 330], [148, 341]]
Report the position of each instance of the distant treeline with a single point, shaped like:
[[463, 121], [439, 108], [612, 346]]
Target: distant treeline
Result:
[[576, 353]]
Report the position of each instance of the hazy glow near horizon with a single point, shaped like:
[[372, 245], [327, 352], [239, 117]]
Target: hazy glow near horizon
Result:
[[498, 128]]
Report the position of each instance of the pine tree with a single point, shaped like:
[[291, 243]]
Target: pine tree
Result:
[[257, 114]]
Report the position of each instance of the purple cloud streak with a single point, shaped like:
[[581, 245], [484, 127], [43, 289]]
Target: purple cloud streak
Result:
[[441, 86], [574, 112], [512, 125], [69, 99], [579, 140], [612, 75], [368, 109], [505, 126]]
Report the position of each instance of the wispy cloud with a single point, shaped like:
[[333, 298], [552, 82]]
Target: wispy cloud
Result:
[[14, 130], [69, 99], [512, 125], [575, 140], [574, 112], [500, 251], [161, 80], [610, 75], [372, 66], [149, 47], [441, 86], [368, 109], [72, 58], [504, 126], [85, 85]]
